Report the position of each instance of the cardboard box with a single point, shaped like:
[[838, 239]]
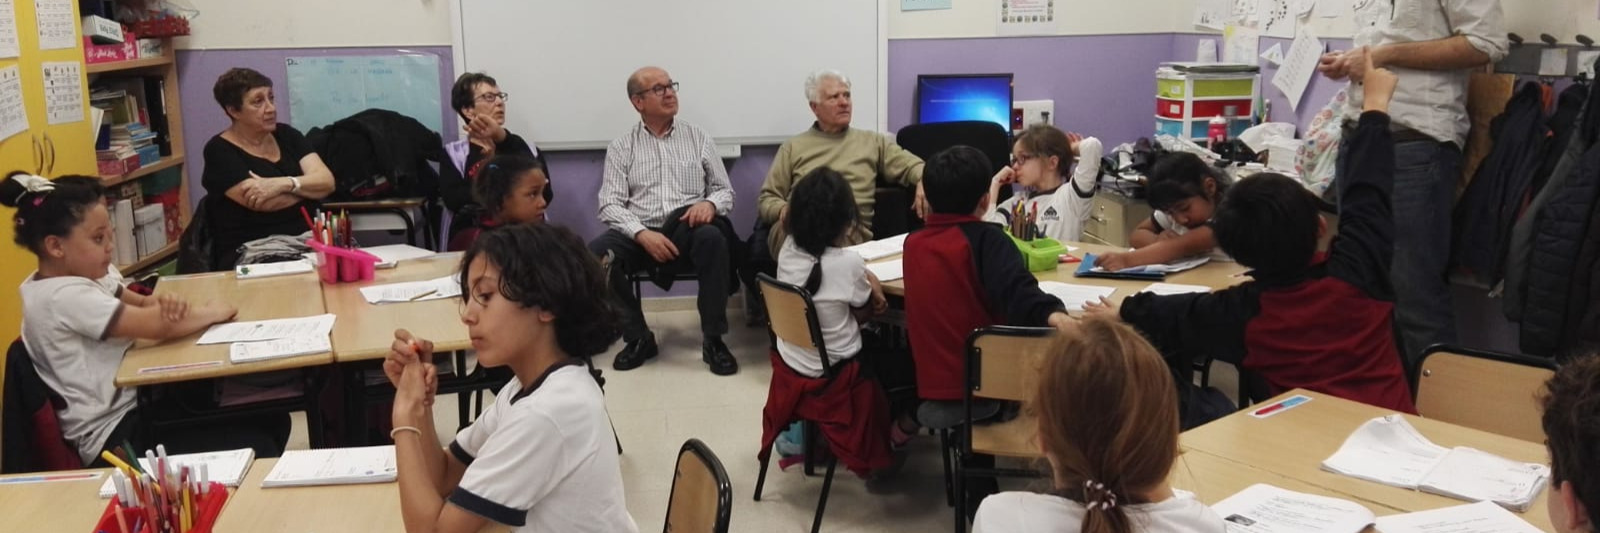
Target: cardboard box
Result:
[[151, 48], [126, 50], [102, 30]]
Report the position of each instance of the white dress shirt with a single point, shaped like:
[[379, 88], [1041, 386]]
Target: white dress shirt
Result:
[[647, 177]]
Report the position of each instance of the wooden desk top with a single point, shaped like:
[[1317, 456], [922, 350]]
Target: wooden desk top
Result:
[[1293, 443], [1214, 274], [292, 296], [365, 331], [367, 507], [53, 506]]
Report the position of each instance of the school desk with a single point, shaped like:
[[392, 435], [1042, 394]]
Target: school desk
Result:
[[151, 363], [1213, 479], [365, 507], [1293, 443], [1214, 274], [37, 505]]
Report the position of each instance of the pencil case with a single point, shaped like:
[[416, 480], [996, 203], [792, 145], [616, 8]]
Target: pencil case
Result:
[[210, 507], [1041, 254], [336, 264]]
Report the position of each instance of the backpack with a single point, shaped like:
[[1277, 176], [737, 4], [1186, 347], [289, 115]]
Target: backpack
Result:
[[378, 154]]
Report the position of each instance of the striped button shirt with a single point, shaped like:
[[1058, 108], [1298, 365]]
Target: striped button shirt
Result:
[[647, 177]]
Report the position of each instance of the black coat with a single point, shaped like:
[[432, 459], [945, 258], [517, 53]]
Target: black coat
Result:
[[1490, 205]]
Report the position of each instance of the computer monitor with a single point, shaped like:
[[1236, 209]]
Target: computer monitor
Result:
[[953, 97]]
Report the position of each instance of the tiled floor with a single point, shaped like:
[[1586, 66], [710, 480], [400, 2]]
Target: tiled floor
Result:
[[674, 398]]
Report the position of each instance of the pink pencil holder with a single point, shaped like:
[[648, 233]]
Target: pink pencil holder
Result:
[[336, 264]]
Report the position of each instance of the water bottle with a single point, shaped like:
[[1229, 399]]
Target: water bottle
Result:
[[1217, 131]]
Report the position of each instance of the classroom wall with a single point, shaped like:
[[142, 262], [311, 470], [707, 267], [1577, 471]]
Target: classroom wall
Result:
[[234, 24]]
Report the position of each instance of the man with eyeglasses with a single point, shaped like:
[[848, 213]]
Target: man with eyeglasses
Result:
[[665, 197], [862, 156], [477, 98]]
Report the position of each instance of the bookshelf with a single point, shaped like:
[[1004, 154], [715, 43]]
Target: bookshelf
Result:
[[163, 68]]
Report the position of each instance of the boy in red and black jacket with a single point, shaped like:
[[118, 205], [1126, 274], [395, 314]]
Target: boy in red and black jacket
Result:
[[962, 273], [1308, 320]]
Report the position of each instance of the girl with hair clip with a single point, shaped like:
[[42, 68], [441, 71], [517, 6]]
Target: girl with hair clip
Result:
[[1108, 426], [510, 189], [854, 414], [1184, 192], [541, 458], [1056, 201], [78, 320]]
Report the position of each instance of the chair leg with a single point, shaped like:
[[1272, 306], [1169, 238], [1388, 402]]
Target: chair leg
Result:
[[463, 401], [944, 456], [822, 502], [809, 432], [761, 479], [960, 495]]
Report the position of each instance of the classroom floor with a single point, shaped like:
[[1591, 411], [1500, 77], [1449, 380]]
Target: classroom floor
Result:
[[674, 398]]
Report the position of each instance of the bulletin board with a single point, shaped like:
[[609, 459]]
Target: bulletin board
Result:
[[325, 89]]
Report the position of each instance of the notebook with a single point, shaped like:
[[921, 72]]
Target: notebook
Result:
[[1073, 296], [1390, 451], [225, 467], [1086, 269], [413, 291], [267, 270], [1268, 509], [332, 466], [888, 271]]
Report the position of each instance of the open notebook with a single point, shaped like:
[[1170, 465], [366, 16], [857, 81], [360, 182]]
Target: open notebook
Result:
[[1390, 451], [226, 467], [333, 466], [1268, 509]]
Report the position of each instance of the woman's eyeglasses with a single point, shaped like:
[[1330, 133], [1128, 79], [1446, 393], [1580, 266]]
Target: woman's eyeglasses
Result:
[[489, 98]]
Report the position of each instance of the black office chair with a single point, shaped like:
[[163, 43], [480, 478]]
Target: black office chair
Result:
[[925, 140]]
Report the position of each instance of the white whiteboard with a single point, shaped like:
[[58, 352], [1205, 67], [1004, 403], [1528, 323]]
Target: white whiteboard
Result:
[[328, 88], [742, 63]]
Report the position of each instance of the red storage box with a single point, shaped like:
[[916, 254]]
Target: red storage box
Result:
[[209, 506], [1202, 108], [126, 50]]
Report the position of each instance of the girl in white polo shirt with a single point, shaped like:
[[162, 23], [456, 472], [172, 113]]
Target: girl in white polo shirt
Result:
[[1056, 202], [542, 457]]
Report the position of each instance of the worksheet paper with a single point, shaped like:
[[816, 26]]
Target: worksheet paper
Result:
[[1174, 267], [881, 248], [267, 270], [413, 291], [392, 254], [266, 330], [9, 47], [332, 466], [57, 27], [246, 352], [1174, 288], [1389, 450], [1299, 64], [63, 92], [888, 270], [1268, 509], [1073, 296], [1481, 517], [13, 115], [1240, 44], [225, 467]]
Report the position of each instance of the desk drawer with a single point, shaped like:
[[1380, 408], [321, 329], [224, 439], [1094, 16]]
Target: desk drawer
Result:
[[1106, 220]]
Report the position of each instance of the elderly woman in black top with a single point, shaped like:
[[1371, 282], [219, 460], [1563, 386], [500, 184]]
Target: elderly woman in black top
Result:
[[258, 173], [477, 98]]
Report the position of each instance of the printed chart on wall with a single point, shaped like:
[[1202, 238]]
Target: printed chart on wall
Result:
[[1298, 67], [57, 28], [1027, 17], [63, 92], [13, 115], [323, 90], [8, 29]]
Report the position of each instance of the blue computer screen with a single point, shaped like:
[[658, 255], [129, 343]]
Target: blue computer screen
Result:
[[952, 98]]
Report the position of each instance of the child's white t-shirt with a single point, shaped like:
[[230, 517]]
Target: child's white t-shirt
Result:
[[66, 325], [1028, 512], [844, 285], [1061, 210], [544, 459]]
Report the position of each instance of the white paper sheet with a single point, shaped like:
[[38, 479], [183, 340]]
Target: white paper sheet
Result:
[[881, 248], [392, 254], [267, 270], [888, 270], [57, 28], [1268, 509], [246, 352], [1387, 450], [1175, 288], [63, 92], [1240, 44], [1274, 55], [1026, 17], [1298, 66], [1475, 475], [1174, 267], [1277, 18], [1481, 517], [13, 114], [225, 467], [413, 291], [333, 466], [1072, 295], [9, 45], [1303, 8], [1211, 14], [266, 330], [1553, 62], [1243, 12]]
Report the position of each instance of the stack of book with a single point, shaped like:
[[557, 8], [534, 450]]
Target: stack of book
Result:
[[132, 133]]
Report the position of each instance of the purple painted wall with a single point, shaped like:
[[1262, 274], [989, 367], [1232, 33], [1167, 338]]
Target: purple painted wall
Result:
[[1317, 94], [1102, 85]]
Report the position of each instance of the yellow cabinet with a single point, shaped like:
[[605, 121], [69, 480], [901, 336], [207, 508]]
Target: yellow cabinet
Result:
[[50, 150]]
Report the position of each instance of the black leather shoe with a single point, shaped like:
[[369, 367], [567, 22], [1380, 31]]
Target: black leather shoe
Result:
[[716, 354], [635, 354]]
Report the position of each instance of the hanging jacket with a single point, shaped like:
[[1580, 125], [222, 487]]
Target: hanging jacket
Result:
[[1520, 252], [379, 153], [1558, 236], [1562, 124], [1581, 334], [1484, 215]]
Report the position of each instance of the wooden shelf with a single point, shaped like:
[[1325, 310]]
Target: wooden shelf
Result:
[[114, 66], [165, 252], [165, 163]]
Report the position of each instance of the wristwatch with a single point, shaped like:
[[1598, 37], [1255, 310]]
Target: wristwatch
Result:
[[296, 182]]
